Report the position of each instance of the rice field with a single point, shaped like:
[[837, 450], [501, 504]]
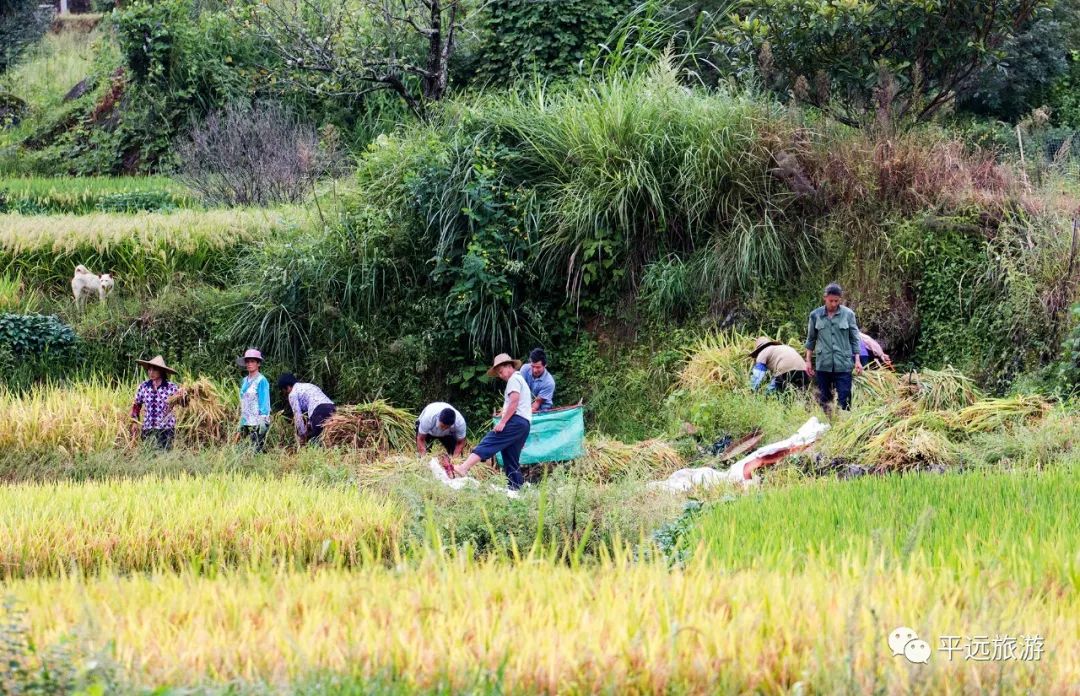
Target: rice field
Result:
[[955, 523], [82, 417], [533, 627], [84, 195], [208, 523], [142, 250]]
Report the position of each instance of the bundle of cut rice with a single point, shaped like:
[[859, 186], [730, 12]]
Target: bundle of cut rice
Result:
[[940, 390], [374, 428], [202, 418], [607, 459]]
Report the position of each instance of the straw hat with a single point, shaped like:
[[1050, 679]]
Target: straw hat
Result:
[[502, 359], [761, 344], [252, 354], [157, 362]]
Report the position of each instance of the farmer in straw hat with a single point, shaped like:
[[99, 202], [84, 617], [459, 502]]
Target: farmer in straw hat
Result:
[[782, 362], [512, 430], [159, 422], [254, 400]]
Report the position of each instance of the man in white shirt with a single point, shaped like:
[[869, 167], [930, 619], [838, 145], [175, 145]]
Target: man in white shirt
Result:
[[441, 421], [509, 435]]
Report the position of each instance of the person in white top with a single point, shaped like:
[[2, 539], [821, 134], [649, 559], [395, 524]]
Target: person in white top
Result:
[[509, 435], [442, 422]]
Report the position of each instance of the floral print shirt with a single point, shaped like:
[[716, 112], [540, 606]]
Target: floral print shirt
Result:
[[154, 402]]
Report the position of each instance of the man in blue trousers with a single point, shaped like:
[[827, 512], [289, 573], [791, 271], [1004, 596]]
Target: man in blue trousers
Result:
[[832, 349], [510, 433]]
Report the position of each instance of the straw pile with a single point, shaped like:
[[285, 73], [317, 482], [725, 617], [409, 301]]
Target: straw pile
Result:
[[922, 419], [607, 459], [376, 428]]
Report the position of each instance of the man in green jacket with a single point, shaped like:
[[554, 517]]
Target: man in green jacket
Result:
[[832, 349]]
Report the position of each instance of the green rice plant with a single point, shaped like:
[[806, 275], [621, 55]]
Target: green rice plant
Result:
[[83, 195], [143, 251], [958, 522], [205, 523]]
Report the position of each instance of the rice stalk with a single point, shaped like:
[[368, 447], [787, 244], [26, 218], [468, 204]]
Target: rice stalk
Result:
[[202, 416], [376, 428], [999, 414], [718, 359]]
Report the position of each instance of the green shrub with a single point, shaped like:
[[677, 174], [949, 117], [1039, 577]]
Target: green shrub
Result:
[[183, 63], [551, 39], [33, 347], [1069, 371], [980, 302], [28, 335]]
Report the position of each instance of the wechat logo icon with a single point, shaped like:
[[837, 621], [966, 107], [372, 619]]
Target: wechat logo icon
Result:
[[904, 641]]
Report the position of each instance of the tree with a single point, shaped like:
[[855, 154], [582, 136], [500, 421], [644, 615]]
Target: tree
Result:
[[349, 48], [1022, 80], [854, 57], [22, 22]]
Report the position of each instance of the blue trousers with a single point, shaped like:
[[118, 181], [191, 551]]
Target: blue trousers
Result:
[[510, 443], [827, 382]]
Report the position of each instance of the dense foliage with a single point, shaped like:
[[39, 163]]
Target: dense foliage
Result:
[[857, 59], [22, 22], [523, 37]]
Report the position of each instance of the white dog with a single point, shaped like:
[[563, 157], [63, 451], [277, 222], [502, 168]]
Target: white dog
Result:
[[84, 282]]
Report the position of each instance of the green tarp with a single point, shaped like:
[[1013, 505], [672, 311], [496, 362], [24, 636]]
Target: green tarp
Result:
[[555, 436]]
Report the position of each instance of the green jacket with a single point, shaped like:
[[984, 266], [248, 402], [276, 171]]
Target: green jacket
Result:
[[834, 340]]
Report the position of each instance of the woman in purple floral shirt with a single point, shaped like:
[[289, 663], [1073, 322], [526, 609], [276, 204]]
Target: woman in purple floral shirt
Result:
[[159, 422]]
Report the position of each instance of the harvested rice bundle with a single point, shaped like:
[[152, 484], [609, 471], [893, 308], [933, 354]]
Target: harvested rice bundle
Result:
[[605, 459], [940, 390], [375, 427], [848, 437], [202, 417], [915, 440], [657, 457], [999, 414], [877, 386]]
